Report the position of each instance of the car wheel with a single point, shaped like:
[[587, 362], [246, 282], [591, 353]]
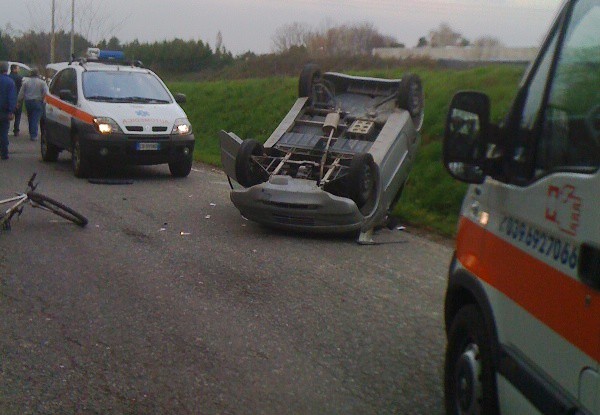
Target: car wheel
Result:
[[247, 171], [361, 180], [182, 167], [411, 99], [309, 74], [49, 151], [469, 373], [79, 162]]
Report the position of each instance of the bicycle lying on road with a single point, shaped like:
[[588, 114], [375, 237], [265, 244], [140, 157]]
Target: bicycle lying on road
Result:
[[37, 200]]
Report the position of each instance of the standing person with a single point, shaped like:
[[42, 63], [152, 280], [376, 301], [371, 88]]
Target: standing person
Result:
[[33, 91], [8, 99], [18, 79]]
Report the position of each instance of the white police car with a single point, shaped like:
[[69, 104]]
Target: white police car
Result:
[[22, 69], [106, 111]]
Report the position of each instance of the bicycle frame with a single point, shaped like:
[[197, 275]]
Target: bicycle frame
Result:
[[7, 215], [40, 201]]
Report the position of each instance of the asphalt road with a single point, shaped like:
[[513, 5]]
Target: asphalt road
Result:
[[169, 302]]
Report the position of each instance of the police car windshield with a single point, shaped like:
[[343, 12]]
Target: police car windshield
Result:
[[124, 86]]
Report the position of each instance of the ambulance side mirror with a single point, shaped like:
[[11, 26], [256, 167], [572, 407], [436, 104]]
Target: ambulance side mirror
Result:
[[465, 140]]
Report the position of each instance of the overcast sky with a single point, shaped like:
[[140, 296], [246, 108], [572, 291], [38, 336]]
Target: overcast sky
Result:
[[250, 24]]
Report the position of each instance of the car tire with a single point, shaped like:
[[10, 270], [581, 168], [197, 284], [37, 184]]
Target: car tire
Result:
[[79, 162], [309, 74], [411, 99], [49, 151], [247, 171], [182, 167], [361, 180], [469, 372]]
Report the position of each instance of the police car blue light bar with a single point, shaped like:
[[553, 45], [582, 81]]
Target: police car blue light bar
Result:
[[96, 53]]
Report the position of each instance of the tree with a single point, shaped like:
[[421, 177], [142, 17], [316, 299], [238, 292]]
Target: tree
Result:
[[347, 39], [219, 42], [288, 36], [422, 42], [113, 44], [487, 42], [443, 36]]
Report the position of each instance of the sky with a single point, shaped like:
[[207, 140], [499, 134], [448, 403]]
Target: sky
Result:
[[248, 25]]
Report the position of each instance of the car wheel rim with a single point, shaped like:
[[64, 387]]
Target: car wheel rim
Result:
[[468, 381], [367, 183], [416, 105]]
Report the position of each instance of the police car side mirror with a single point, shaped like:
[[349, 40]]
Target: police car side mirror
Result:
[[67, 95], [180, 98], [465, 139]]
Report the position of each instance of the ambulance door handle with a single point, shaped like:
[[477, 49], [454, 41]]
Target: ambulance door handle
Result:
[[475, 208]]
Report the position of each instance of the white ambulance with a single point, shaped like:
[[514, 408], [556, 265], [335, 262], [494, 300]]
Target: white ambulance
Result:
[[105, 111], [522, 306]]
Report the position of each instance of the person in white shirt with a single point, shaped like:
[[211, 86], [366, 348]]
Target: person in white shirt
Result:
[[33, 91]]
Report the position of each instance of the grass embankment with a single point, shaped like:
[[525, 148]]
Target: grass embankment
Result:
[[253, 109]]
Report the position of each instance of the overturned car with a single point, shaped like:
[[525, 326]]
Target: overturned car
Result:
[[337, 162]]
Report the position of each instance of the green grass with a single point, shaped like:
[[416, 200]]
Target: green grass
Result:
[[253, 109]]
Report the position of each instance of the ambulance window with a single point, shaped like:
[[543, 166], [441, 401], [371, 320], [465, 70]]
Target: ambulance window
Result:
[[535, 92], [55, 87], [522, 148], [570, 136], [66, 79]]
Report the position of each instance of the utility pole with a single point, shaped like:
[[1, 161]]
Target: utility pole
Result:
[[72, 29], [52, 37]]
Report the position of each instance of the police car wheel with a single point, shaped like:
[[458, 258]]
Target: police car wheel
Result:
[[469, 375], [80, 163], [181, 168]]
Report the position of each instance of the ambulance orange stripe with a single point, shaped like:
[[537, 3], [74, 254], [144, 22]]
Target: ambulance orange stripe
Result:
[[554, 298], [70, 109]]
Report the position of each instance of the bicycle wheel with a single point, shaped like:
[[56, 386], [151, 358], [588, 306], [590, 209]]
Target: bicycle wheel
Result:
[[57, 208]]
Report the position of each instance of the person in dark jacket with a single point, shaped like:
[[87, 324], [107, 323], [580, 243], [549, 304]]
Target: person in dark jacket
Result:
[[18, 79], [8, 102]]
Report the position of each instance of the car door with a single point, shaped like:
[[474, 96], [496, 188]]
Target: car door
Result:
[[545, 251], [58, 111]]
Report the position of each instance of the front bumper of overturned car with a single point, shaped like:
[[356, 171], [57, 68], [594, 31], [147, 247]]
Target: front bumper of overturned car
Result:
[[296, 204]]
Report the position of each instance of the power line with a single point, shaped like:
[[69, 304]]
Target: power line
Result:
[[407, 6]]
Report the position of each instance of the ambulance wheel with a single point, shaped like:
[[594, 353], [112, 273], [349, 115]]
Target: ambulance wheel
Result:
[[80, 163], [247, 171], [181, 168], [469, 373], [49, 151], [361, 181]]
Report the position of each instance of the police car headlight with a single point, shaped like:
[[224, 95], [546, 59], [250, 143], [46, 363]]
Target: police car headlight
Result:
[[182, 127], [105, 125]]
